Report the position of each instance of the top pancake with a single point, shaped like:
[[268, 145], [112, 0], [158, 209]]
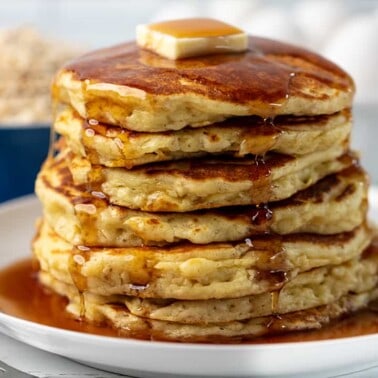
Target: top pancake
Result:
[[142, 91]]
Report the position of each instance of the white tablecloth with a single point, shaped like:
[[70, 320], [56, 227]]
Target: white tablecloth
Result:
[[44, 364]]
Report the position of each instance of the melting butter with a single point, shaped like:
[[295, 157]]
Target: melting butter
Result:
[[191, 37]]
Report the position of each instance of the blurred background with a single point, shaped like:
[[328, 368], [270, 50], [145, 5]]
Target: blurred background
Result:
[[37, 36]]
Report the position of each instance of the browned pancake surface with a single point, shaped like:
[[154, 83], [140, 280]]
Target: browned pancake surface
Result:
[[269, 71]]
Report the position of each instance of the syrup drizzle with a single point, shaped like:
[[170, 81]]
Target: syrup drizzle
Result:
[[76, 260], [53, 134], [194, 28]]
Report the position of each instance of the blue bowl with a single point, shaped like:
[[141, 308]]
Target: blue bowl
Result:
[[22, 151]]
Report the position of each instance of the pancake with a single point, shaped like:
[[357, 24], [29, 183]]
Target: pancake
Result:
[[139, 90], [189, 271], [187, 185], [337, 203], [130, 325], [116, 147], [318, 287]]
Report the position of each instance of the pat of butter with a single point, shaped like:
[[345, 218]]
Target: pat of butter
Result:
[[191, 37]]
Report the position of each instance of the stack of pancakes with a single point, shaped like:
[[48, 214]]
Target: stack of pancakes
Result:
[[207, 199]]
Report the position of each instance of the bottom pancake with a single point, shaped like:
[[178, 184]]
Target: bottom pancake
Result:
[[317, 287], [129, 325]]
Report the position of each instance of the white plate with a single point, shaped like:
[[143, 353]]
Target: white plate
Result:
[[159, 359]]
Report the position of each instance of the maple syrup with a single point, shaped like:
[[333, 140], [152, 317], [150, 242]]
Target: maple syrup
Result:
[[22, 296], [264, 73], [195, 28]]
